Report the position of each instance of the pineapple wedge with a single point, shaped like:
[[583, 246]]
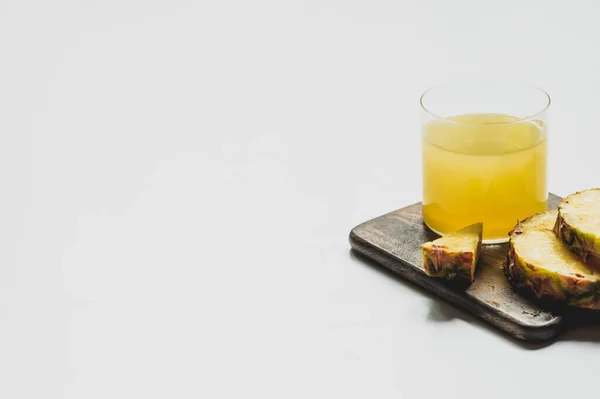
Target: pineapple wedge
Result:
[[578, 223], [455, 255], [538, 262]]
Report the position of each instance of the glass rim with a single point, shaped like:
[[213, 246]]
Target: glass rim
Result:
[[457, 84]]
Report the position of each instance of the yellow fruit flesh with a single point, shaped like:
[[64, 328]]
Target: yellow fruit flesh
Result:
[[541, 248], [454, 245], [540, 221], [462, 240], [582, 211]]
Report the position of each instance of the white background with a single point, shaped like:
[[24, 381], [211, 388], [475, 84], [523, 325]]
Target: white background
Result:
[[179, 180]]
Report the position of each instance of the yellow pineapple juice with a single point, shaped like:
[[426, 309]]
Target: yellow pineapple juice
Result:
[[488, 168]]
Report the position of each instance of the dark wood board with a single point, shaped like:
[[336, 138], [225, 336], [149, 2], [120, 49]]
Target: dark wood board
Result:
[[393, 240]]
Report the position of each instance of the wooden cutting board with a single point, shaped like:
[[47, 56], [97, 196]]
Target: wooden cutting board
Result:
[[393, 240]]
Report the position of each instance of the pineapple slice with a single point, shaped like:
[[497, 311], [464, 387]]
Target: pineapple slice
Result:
[[538, 262], [578, 223], [455, 255]]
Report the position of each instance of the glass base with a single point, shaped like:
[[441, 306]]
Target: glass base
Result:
[[484, 242]]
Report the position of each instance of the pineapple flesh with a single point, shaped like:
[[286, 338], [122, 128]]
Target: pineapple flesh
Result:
[[539, 263], [454, 256], [578, 223]]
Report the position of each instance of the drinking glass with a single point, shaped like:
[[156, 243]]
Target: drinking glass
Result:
[[484, 155]]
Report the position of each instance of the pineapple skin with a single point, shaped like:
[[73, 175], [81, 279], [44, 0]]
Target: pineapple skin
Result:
[[574, 290], [547, 285], [577, 241], [440, 261]]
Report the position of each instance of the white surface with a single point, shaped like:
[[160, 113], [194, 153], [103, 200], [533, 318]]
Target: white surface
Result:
[[180, 179]]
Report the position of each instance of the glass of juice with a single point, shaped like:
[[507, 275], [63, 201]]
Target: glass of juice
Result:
[[484, 156]]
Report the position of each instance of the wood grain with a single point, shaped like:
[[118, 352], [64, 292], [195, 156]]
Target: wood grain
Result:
[[393, 240]]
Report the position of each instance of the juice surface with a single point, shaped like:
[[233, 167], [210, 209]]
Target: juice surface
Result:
[[488, 168]]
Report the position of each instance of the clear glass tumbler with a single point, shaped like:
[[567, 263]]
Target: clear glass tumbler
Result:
[[484, 156]]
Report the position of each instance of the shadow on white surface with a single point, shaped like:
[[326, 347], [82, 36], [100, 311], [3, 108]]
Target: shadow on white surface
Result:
[[442, 312]]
